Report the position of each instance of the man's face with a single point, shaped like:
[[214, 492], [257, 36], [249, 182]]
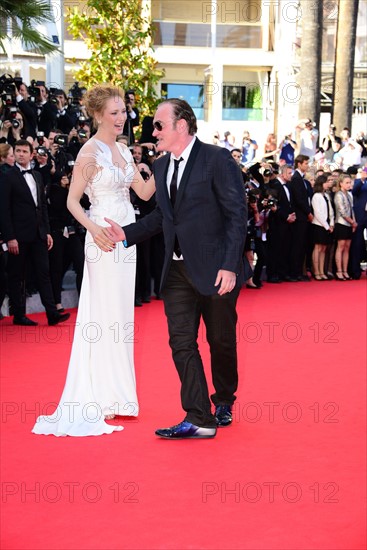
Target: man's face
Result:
[[303, 166], [168, 133], [137, 154], [23, 91], [237, 156], [344, 135], [43, 93], [132, 99], [287, 174], [61, 99], [22, 155]]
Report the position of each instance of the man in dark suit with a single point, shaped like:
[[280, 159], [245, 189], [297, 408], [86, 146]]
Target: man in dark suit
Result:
[[201, 209], [301, 194], [281, 225], [358, 246], [25, 229]]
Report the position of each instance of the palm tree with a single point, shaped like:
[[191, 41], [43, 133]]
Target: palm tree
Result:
[[344, 63], [24, 15], [309, 77]]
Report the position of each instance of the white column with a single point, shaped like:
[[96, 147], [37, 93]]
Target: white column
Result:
[[55, 72]]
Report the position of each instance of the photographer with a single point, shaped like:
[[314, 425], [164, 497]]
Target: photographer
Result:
[[287, 149], [249, 147], [252, 197], [307, 137], [79, 136], [331, 144], [132, 116], [66, 234], [55, 113], [27, 108], [12, 126], [58, 152], [44, 164]]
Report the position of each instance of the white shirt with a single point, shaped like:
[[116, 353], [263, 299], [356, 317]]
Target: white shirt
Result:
[[181, 167], [286, 190], [30, 182]]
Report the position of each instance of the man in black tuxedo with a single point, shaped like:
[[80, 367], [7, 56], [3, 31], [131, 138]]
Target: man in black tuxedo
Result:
[[201, 209], [25, 229], [301, 194], [281, 224]]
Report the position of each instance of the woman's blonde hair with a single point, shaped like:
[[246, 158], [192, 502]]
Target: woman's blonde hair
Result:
[[341, 178], [4, 151], [96, 98]]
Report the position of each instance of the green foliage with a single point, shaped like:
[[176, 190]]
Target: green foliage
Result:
[[119, 36], [24, 14], [254, 98]]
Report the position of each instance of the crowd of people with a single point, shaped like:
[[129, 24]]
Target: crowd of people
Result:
[[306, 199], [307, 204]]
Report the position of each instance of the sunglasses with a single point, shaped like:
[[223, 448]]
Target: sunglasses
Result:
[[158, 126]]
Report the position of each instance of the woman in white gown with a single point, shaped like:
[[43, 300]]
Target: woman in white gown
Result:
[[100, 381]]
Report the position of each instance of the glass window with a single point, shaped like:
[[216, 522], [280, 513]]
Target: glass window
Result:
[[192, 93], [199, 35]]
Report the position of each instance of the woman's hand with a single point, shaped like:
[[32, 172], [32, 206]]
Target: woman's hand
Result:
[[101, 238]]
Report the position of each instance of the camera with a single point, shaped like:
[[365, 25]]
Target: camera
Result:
[[34, 91], [11, 116], [61, 140], [252, 195], [42, 151], [41, 138], [269, 203], [75, 95], [7, 85]]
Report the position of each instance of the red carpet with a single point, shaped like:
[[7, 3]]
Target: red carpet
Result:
[[289, 473]]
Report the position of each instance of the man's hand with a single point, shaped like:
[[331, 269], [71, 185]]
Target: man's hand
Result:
[[50, 242], [115, 232], [227, 281], [13, 247]]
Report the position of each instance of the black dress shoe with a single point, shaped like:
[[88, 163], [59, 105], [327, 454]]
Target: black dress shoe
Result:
[[223, 415], [186, 430], [57, 318], [304, 278], [24, 321], [138, 302], [146, 300]]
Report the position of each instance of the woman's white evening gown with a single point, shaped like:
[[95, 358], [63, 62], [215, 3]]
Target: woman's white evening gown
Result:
[[101, 376]]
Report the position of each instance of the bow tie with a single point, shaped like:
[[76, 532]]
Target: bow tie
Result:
[[26, 171]]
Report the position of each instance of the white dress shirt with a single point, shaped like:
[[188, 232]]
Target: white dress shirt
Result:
[[181, 167], [30, 182]]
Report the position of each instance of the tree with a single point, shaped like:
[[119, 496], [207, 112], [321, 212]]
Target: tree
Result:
[[24, 15], [344, 63], [119, 36], [309, 77]]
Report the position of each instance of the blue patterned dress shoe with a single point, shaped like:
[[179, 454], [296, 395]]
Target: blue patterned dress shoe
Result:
[[223, 415], [186, 430]]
